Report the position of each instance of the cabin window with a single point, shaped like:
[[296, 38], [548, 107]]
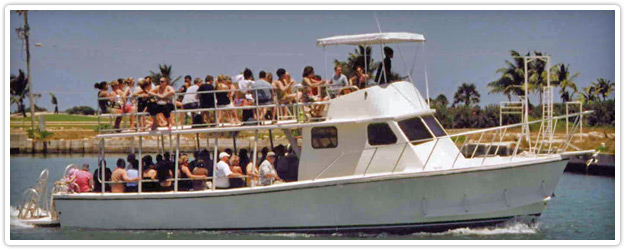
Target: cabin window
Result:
[[415, 130], [324, 137], [380, 134], [436, 128]]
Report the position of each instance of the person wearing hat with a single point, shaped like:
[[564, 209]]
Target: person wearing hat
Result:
[[222, 171], [267, 172], [84, 179]]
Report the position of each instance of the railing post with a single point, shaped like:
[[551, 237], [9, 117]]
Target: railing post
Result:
[[477, 145], [176, 167], [400, 155], [140, 163], [173, 101], [102, 168], [500, 140], [215, 156], [255, 154], [489, 146], [371, 160], [430, 155]]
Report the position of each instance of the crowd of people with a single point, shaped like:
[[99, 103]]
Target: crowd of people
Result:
[[201, 97], [232, 170]]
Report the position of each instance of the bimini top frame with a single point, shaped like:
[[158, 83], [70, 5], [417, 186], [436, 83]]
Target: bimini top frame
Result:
[[370, 39]]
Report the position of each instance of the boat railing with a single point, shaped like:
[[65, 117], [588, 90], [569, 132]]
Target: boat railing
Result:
[[174, 180], [516, 138], [295, 110]]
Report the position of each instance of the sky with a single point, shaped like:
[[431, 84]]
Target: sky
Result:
[[80, 48]]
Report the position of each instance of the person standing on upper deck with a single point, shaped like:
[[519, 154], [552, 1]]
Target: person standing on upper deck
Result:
[[385, 77], [190, 99], [120, 174], [164, 104], [245, 85], [262, 93], [267, 172], [207, 100]]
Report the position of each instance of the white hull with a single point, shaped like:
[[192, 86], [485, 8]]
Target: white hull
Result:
[[377, 201]]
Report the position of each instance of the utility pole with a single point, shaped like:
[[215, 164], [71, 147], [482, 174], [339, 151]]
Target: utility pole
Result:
[[26, 32]]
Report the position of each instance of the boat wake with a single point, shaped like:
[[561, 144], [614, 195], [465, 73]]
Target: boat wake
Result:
[[16, 222], [513, 227]]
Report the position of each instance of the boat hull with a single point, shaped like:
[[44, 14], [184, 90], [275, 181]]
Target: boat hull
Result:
[[392, 202]]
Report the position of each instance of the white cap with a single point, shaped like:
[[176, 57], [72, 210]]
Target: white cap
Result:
[[223, 154], [237, 78]]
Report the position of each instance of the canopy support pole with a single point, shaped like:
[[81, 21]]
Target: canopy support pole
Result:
[[292, 141], [255, 154], [176, 168], [214, 159], [140, 163], [427, 87]]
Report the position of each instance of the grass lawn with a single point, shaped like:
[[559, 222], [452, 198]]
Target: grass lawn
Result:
[[58, 117]]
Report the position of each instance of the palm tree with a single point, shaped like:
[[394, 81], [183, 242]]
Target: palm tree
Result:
[[588, 94], [466, 93], [55, 103], [564, 80], [511, 80], [603, 87], [19, 90], [164, 71]]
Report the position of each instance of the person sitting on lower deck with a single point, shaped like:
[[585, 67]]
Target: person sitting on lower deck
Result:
[[119, 175], [267, 172], [132, 166], [164, 174], [185, 173], [223, 172], [84, 179], [97, 185], [149, 173], [200, 169]]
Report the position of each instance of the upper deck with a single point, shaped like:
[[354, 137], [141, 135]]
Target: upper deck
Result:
[[398, 99]]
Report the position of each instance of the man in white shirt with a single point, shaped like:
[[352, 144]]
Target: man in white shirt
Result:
[[248, 80], [190, 101], [267, 172], [222, 171]]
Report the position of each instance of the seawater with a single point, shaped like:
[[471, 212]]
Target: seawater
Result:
[[583, 209]]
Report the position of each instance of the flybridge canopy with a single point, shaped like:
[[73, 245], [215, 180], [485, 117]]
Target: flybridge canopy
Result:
[[373, 38]]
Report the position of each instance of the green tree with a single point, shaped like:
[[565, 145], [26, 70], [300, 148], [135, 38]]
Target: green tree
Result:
[[441, 100], [19, 89], [466, 93], [565, 80], [357, 58], [603, 87], [55, 103]]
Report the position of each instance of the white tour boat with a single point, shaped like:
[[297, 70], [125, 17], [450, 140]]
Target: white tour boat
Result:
[[377, 160]]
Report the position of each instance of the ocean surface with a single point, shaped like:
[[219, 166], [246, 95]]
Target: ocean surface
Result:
[[583, 209]]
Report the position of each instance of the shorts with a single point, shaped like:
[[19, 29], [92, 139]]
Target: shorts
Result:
[[192, 105], [154, 109], [229, 105], [207, 105], [141, 105]]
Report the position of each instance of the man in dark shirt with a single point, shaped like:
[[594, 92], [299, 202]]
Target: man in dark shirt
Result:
[[207, 100], [385, 77]]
